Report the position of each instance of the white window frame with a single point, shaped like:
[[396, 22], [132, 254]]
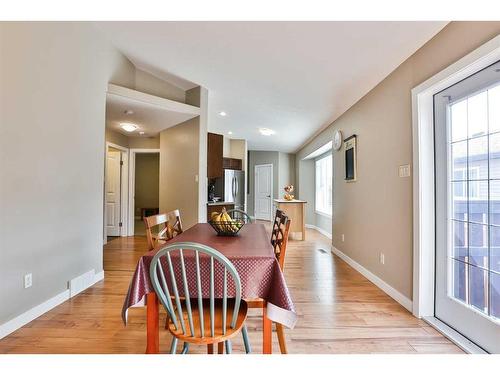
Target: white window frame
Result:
[[316, 210]]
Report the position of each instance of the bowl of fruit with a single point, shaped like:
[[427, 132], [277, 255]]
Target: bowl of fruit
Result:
[[224, 224]]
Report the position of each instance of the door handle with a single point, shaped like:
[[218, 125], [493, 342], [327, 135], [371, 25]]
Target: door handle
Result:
[[269, 196]]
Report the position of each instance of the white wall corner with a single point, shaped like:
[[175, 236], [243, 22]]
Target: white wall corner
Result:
[[389, 290]]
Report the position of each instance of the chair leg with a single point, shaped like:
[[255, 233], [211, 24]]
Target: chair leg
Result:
[[210, 349], [185, 348], [229, 347], [281, 338], [173, 346], [220, 348], [246, 341]]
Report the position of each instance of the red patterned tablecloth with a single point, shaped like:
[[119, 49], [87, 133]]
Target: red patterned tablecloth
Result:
[[252, 255]]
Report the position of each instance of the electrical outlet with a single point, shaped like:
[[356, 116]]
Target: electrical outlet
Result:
[[343, 238], [28, 280], [382, 258]]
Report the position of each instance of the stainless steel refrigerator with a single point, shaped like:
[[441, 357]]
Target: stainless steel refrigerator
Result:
[[234, 188]]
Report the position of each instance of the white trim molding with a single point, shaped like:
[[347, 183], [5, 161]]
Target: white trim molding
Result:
[[461, 341], [124, 217], [14, 324], [389, 290], [318, 229], [423, 168]]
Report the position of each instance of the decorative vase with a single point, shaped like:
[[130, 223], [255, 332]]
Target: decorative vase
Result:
[[288, 190]]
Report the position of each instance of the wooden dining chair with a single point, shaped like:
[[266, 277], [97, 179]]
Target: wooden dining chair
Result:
[[188, 319], [239, 214], [279, 241], [172, 226]]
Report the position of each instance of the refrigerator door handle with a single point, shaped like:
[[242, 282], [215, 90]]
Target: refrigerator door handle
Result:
[[233, 189], [237, 186]]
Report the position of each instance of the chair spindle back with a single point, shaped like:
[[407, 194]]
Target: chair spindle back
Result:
[[279, 236], [169, 298], [172, 227]]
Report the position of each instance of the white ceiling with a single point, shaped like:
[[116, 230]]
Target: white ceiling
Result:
[[292, 77], [151, 119]]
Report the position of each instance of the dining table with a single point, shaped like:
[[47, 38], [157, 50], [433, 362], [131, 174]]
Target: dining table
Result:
[[252, 255]]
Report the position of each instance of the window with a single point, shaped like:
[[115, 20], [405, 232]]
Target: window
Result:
[[324, 190]]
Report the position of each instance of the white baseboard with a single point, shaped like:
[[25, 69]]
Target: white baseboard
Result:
[[322, 231], [33, 313], [393, 293]]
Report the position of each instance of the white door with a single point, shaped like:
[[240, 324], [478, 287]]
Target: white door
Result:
[[263, 191], [467, 159], [113, 197]]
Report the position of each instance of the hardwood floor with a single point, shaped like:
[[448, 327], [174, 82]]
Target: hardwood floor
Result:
[[340, 311]]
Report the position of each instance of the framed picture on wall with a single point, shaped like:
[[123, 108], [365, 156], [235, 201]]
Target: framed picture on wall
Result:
[[350, 158]]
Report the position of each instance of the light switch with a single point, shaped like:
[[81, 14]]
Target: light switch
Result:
[[404, 170]]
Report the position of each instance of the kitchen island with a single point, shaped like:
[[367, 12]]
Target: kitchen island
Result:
[[295, 210]]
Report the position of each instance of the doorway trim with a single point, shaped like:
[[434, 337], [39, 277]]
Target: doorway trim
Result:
[[255, 189], [123, 190], [131, 184], [423, 165]]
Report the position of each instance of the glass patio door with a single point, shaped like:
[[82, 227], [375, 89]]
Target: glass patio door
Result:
[[467, 159]]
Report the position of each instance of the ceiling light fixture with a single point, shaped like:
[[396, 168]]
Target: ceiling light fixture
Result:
[[128, 112], [128, 127], [266, 131], [229, 132], [222, 113], [141, 133]]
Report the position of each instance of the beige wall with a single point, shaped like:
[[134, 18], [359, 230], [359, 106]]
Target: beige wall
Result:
[[179, 164], [132, 142], [286, 172], [53, 81], [198, 96], [149, 84], [116, 138], [375, 213], [144, 142], [147, 181]]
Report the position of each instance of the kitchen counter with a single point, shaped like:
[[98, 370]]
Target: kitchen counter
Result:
[[296, 211], [287, 201], [219, 203]]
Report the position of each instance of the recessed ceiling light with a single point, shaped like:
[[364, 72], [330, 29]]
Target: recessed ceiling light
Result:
[[141, 133], [222, 113], [128, 127], [128, 112], [266, 131], [229, 132]]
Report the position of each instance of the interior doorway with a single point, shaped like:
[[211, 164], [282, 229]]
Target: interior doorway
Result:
[[144, 188], [115, 191]]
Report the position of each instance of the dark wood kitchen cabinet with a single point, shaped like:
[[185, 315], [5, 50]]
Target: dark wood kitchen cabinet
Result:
[[215, 160], [230, 163]]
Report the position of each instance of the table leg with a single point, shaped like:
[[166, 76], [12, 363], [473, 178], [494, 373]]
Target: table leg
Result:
[[153, 324], [267, 330]]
